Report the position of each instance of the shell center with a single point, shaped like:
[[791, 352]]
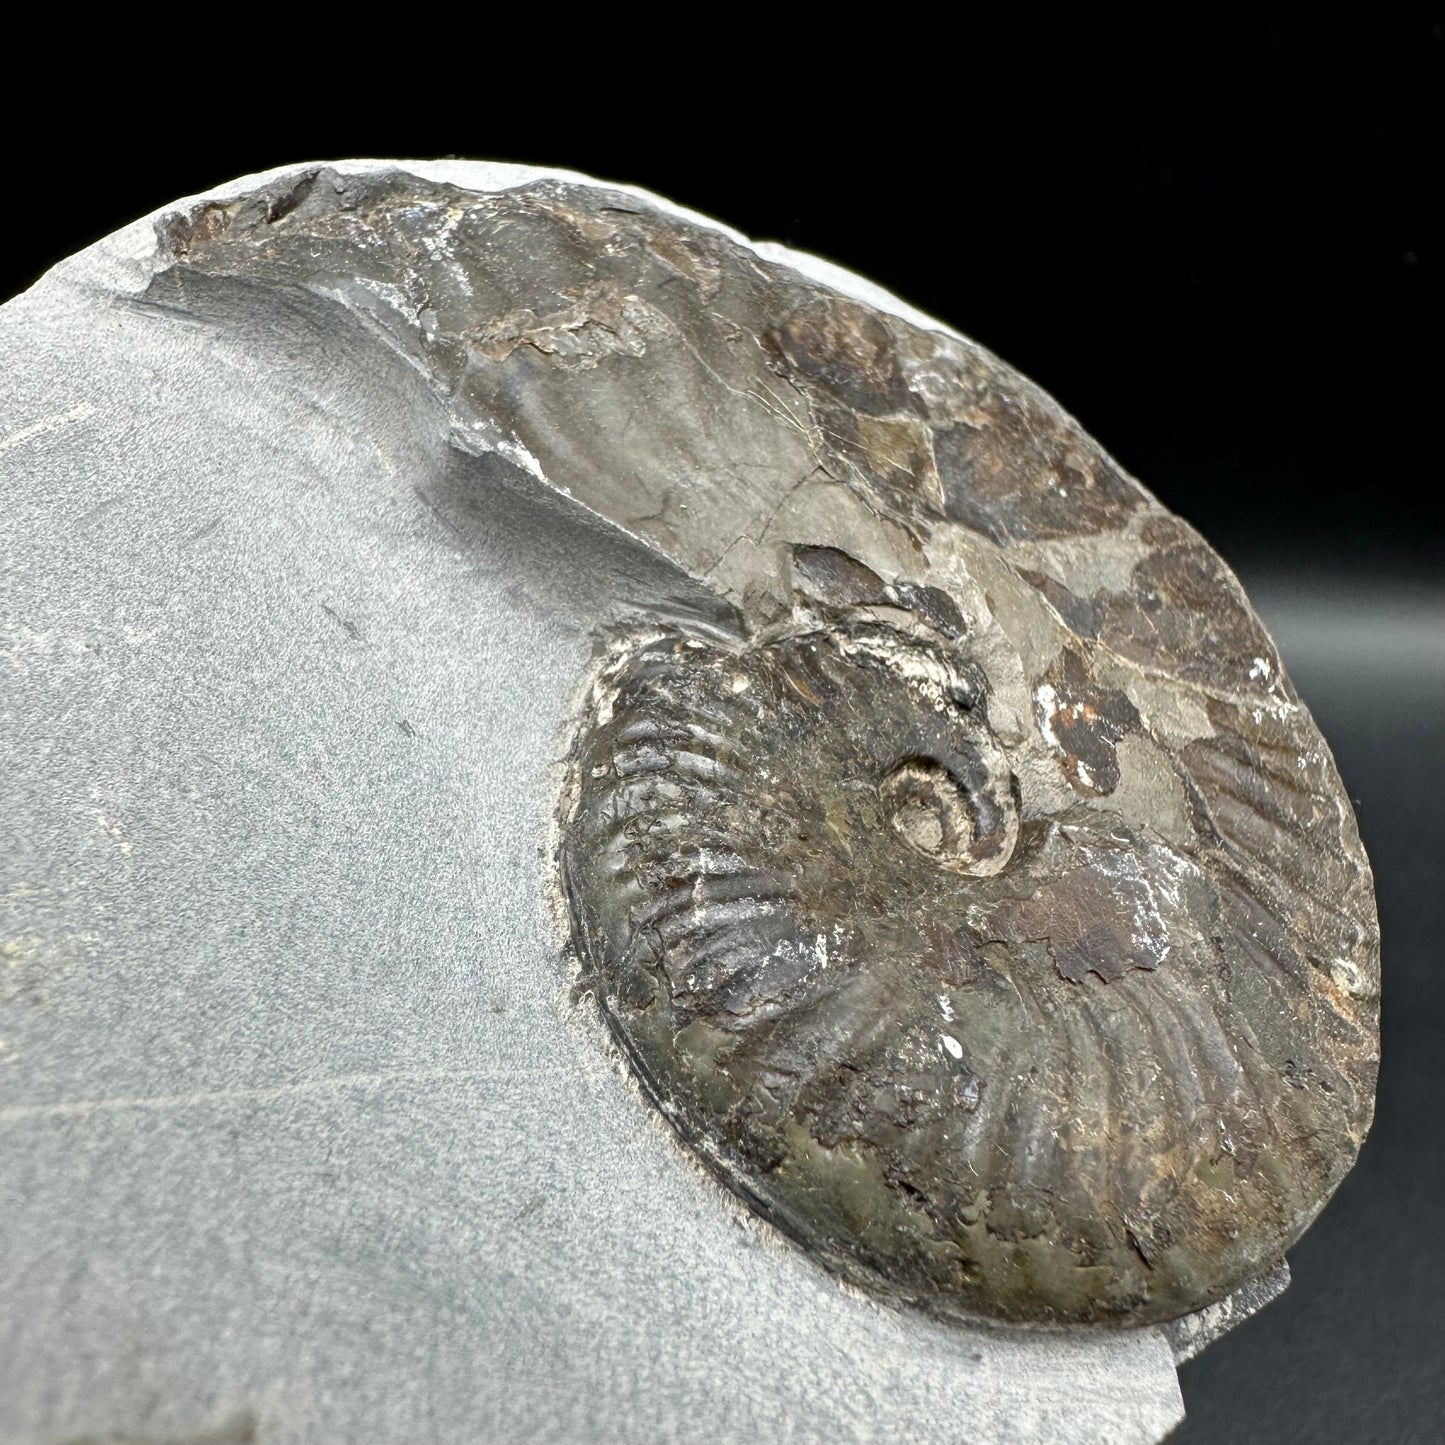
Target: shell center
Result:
[[929, 809]]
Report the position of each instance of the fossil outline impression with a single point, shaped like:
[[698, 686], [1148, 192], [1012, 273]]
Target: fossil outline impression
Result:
[[943, 841]]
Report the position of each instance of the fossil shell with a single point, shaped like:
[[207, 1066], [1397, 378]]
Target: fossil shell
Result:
[[967, 885], [1000, 1069]]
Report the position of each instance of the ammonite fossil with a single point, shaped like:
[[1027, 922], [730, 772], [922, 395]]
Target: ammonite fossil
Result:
[[988, 1061], [948, 851]]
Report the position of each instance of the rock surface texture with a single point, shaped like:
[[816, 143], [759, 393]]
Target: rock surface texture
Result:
[[430, 567]]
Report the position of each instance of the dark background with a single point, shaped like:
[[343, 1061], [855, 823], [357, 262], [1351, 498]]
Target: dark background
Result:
[[1210, 237]]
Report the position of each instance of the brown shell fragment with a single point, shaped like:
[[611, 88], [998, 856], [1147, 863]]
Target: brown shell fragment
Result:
[[967, 885]]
